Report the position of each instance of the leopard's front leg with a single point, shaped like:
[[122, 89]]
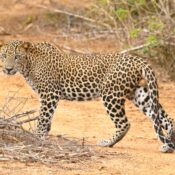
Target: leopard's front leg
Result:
[[49, 102]]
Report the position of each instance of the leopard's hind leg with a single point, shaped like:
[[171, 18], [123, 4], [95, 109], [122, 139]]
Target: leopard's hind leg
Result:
[[161, 123]]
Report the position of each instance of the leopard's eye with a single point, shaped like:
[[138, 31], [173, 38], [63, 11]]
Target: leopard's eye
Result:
[[4, 55], [17, 57]]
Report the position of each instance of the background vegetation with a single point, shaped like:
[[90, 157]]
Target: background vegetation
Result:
[[145, 27]]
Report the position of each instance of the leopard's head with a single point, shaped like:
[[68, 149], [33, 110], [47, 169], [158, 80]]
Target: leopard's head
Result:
[[14, 56]]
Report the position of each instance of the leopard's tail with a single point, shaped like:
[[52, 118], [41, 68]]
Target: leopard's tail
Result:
[[149, 76]]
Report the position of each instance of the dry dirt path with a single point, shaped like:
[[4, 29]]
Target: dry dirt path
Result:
[[137, 153]]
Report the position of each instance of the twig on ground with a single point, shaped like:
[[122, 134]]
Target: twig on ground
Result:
[[16, 143], [3, 31], [17, 116], [28, 120]]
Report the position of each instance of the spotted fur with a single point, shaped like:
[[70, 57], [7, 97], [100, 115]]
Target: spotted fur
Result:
[[113, 77]]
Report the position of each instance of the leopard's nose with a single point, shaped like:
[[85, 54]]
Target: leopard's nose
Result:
[[9, 69]]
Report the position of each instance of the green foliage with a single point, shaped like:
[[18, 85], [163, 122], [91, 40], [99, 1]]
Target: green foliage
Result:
[[103, 2], [53, 18], [141, 21], [138, 2], [134, 32], [29, 19], [121, 13], [153, 39], [174, 30], [155, 24], [50, 15]]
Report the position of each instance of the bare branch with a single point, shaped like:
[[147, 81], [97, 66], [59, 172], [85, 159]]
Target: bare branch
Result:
[[27, 120], [17, 116], [76, 16], [3, 31], [16, 143], [146, 45], [136, 48]]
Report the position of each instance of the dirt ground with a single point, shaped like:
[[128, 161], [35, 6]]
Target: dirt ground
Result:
[[137, 153]]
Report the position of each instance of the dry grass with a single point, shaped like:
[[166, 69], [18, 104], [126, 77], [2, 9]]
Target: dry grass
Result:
[[17, 143]]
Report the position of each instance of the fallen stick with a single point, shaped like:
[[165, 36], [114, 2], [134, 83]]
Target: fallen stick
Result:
[[17, 116], [27, 120]]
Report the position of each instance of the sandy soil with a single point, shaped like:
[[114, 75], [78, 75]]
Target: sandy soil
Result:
[[137, 153]]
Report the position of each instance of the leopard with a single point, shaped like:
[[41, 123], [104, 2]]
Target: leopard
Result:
[[114, 77]]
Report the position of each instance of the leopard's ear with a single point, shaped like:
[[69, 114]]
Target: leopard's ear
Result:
[[26, 45]]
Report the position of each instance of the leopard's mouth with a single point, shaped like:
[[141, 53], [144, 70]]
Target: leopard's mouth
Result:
[[9, 71]]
